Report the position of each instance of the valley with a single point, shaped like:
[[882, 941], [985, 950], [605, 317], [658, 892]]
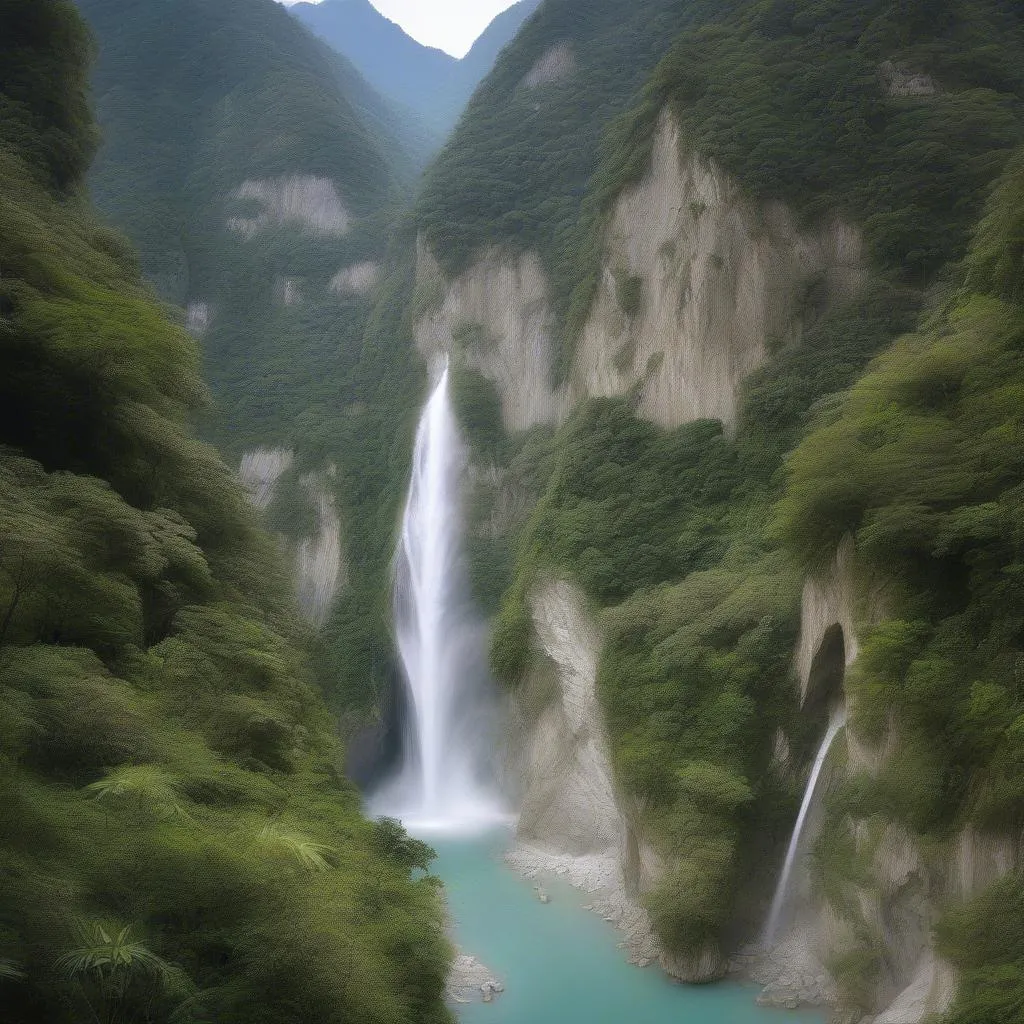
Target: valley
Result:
[[588, 469]]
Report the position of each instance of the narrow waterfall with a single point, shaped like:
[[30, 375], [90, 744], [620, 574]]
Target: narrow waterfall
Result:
[[782, 889], [441, 782]]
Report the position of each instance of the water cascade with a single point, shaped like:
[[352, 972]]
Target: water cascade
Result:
[[448, 731], [782, 889]]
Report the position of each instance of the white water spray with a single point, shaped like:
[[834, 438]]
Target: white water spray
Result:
[[782, 889], [447, 737]]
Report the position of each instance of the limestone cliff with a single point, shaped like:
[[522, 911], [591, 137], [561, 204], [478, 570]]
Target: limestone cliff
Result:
[[698, 285], [318, 558], [311, 203], [889, 905], [573, 820]]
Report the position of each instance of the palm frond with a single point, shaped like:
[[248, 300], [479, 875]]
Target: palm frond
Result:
[[147, 786], [310, 855], [106, 952], [10, 971]]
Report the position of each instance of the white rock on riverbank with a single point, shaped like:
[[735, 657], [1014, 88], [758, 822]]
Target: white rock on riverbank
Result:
[[600, 875], [471, 981], [790, 973]]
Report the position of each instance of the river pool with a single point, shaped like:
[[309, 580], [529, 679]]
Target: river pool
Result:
[[561, 963]]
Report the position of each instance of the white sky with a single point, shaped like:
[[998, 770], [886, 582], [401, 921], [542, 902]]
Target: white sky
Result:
[[451, 25]]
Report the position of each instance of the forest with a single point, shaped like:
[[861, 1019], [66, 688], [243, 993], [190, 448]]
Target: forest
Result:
[[177, 841]]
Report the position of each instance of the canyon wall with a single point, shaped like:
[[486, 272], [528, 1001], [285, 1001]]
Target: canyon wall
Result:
[[317, 558], [698, 284]]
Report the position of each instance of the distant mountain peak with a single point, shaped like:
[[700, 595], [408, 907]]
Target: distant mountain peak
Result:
[[426, 81]]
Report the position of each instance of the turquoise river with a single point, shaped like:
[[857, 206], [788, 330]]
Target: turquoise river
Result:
[[560, 963]]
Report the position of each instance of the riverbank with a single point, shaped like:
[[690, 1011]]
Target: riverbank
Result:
[[560, 962]]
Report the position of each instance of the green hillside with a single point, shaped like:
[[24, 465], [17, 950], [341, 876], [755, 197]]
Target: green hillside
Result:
[[194, 100], [919, 463], [176, 842]]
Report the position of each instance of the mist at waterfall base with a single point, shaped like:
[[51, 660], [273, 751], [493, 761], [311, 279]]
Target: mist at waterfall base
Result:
[[782, 889], [445, 779]]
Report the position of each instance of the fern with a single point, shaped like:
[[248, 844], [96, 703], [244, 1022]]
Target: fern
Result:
[[310, 855], [146, 786]]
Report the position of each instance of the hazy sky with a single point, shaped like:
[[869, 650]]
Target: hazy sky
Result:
[[451, 25]]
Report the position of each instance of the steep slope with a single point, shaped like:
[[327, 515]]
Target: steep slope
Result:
[[929, 499], [176, 842], [427, 81], [646, 314], [248, 166], [195, 99]]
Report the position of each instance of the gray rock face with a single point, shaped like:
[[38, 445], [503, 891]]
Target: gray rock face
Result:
[[308, 202], [572, 823], [697, 284], [320, 572], [554, 65], [898, 80], [569, 803]]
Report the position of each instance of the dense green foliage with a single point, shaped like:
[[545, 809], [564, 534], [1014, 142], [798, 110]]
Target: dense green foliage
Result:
[[44, 118], [244, 93], [985, 940], [920, 465], [372, 446], [798, 101], [195, 98], [176, 842]]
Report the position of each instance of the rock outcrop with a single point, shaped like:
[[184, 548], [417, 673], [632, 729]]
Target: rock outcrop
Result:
[[197, 318], [319, 563], [899, 80], [569, 803], [469, 981], [357, 279], [320, 569], [572, 821], [698, 284], [304, 201], [899, 891], [554, 64], [260, 471], [497, 317]]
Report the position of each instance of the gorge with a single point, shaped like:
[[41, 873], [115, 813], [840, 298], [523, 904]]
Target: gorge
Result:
[[630, 502]]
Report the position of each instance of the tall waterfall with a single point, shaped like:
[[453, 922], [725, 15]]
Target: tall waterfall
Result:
[[447, 737], [782, 889]]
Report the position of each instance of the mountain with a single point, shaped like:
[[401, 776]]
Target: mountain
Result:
[[427, 81], [730, 294], [731, 298], [261, 177], [176, 841]]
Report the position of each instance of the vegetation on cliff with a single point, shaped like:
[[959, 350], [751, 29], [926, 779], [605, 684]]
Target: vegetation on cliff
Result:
[[921, 463], [293, 358], [176, 841], [899, 117], [895, 115]]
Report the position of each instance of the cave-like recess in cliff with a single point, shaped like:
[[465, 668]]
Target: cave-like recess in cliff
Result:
[[827, 675]]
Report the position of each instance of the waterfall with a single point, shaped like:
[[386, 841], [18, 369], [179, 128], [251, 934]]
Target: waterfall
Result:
[[441, 780], [782, 889]]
